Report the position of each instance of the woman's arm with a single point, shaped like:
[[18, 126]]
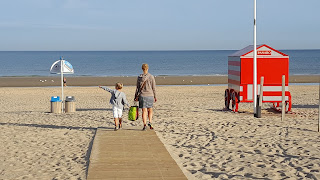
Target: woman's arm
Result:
[[154, 88], [137, 90]]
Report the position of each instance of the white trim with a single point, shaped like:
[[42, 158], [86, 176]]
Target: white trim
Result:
[[267, 89], [273, 54], [274, 88], [272, 57], [249, 91], [250, 55], [241, 88], [241, 98], [274, 98]]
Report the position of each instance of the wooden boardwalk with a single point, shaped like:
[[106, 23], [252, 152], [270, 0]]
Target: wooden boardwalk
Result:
[[131, 154]]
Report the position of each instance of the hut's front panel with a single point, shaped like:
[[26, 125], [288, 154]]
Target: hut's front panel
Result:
[[271, 69]]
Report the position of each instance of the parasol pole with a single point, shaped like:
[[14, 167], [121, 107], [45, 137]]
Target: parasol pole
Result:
[[254, 59], [61, 59]]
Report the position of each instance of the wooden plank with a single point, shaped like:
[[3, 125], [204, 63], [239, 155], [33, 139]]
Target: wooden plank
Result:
[[131, 154]]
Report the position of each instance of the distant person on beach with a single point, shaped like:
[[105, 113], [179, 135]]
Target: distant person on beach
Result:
[[118, 100], [146, 95], [64, 81]]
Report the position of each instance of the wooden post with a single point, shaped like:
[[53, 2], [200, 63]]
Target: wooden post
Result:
[[261, 90], [283, 109], [259, 104]]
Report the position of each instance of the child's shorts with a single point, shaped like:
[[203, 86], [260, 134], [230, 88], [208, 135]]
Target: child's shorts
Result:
[[117, 112]]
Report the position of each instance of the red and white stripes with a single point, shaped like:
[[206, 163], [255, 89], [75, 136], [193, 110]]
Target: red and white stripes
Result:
[[234, 68], [270, 93]]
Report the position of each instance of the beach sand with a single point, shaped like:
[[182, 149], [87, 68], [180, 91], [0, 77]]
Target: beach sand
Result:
[[131, 80], [205, 141]]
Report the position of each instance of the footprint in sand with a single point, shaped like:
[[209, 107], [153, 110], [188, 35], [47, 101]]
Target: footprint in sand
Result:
[[240, 169], [261, 165]]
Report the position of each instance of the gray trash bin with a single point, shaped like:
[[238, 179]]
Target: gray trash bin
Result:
[[70, 105], [55, 104]]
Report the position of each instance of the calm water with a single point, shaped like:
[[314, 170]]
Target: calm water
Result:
[[128, 63]]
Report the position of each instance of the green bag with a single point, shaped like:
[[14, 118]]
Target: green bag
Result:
[[133, 113]]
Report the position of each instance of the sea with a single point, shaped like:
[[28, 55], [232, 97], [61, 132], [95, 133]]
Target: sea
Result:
[[128, 63]]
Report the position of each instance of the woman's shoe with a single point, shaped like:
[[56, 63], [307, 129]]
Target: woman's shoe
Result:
[[144, 128], [150, 126], [116, 128]]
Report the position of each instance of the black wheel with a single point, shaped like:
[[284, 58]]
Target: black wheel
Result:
[[227, 98]]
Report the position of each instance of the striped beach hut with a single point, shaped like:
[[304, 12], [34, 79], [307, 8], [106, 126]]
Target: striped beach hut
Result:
[[271, 64]]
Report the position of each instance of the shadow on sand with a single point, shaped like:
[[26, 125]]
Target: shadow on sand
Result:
[[95, 109], [307, 106]]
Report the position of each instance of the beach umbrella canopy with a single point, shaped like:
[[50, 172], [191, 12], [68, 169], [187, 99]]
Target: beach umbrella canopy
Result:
[[66, 67]]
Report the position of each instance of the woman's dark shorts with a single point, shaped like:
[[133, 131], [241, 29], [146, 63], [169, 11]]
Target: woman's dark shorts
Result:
[[146, 101]]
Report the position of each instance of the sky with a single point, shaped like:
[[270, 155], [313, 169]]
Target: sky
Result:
[[107, 25]]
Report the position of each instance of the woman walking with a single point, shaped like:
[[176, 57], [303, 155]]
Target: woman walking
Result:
[[146, 95]]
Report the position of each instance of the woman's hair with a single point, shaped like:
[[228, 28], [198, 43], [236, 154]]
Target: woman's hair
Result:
[[119, 85], [145, 66]]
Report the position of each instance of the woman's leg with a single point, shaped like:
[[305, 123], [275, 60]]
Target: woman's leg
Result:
[[144, 116], [150, 114]]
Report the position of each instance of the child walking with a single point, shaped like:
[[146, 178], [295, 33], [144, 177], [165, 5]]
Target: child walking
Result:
[[118, 100]]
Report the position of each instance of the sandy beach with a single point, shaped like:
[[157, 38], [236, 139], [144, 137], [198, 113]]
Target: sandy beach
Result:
[[49, 81], [205, 141]]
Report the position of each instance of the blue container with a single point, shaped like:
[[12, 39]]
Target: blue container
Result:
[[55, 99]]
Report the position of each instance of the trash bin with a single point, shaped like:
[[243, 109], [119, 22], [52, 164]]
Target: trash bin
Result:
[[56, 104], [70, 105]]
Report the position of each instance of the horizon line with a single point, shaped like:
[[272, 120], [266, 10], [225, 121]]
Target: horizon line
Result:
[[132, 50]]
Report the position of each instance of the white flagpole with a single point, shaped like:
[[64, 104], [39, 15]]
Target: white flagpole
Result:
[[255, 59], [62, 84]]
